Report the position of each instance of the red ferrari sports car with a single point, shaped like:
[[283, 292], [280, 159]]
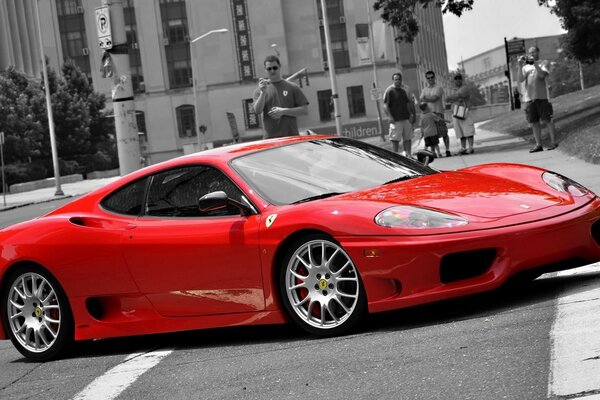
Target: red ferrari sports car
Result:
[[318, 230]]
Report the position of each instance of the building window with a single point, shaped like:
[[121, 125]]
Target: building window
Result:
[[177, 48], [72, 34], [325, 101], [337, 30], [185, 121], [135, 61], [356, 101], [487, 63], [140, 118]]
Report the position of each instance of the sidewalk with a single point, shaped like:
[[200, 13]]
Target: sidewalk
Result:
[[47, 194], [492, 147], [489, 147]]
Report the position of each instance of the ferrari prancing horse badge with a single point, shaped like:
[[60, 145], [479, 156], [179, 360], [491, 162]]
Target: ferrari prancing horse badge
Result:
[[270, 220]]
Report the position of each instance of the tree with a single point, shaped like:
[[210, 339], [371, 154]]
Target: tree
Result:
[[21, 109], [581, 20], [401, 13], [84, 134], [83, 129]]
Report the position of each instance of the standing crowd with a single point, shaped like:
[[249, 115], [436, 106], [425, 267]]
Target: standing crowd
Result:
[[280, 102], [399, 106]]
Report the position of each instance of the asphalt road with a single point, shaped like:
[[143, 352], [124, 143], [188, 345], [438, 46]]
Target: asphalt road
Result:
[[493, 346]]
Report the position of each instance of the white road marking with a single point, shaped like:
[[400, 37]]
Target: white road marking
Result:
[[117, 379], [575, 340]]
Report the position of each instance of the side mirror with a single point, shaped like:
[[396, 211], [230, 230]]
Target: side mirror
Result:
[[217, 200], [425, 157], [213, 201]]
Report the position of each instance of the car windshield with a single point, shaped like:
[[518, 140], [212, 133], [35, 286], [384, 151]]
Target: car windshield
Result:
[[321, 168]]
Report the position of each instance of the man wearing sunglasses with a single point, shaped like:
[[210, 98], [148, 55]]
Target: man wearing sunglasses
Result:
[[433, 95], [279, 101]]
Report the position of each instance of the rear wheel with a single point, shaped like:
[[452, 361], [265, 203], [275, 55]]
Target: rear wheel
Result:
[[37, 314], [321, 288]]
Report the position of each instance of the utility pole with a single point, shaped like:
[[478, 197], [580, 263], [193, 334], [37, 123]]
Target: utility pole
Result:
[[376, 88], [507, 73], [331, 65], [110, 22], [53, 146]]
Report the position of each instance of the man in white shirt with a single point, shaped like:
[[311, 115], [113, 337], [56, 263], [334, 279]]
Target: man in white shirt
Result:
[[538, 109]]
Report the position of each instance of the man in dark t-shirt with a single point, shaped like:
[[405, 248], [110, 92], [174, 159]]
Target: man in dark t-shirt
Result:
[[400, 110], [279, 101]]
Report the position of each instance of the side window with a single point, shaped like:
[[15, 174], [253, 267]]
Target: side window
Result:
[[175, 193], [127, 200]]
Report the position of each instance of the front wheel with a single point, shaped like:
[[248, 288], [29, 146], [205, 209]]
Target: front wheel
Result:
[[37, 314], [321, 288]]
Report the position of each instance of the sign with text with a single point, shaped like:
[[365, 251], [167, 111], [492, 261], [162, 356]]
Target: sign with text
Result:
[[515, 47], [103, 26]]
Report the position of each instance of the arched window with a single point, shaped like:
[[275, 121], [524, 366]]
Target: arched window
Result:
[[185, 121]]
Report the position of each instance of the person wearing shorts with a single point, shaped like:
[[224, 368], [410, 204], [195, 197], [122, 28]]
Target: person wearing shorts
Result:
[[429, 129], [538, 110], [400, 110]]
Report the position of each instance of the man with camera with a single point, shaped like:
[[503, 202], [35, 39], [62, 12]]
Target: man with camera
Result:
[[538, 109]]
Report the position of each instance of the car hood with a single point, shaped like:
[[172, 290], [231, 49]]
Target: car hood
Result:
[[463, 193]]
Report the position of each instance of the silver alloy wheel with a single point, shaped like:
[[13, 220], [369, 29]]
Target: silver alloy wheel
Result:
[[322, 284], [34, 312]]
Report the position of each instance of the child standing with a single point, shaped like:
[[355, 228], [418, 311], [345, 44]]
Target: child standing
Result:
[[429, 129]]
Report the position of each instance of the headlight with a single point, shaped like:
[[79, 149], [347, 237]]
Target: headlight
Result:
[[417, 218], [564, 184]]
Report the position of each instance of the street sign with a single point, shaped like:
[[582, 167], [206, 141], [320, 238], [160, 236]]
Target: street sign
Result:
[[103, 25], [376, 94], [515, 47]]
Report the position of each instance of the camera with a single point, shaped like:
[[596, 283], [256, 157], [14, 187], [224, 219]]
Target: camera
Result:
[[527, 59]]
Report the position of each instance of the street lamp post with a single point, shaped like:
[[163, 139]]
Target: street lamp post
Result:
[[196, 115], [274, 47], [375, 80], [58, 191], [331, 65]]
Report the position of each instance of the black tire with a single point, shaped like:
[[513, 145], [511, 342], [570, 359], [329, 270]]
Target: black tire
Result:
[[324, 295], [36, 313]]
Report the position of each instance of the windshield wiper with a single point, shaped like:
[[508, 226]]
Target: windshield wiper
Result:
[[402, 178], [317, 197]]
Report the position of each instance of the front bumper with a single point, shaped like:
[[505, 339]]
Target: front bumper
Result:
[[408, 269]]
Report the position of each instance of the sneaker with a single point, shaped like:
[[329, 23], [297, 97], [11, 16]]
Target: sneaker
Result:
[[552, 146], [536, 149], [448, 154], [463, 151], [470, 151]]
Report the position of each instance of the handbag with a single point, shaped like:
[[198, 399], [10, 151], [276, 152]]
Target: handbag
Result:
[[442, 128], [460, 111]]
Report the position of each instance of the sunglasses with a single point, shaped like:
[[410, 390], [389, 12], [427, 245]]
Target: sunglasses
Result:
[[458, 78], [430, 77], [275, 68]]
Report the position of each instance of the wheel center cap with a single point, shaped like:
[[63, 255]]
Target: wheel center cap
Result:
[[38, 312], [323, 284]]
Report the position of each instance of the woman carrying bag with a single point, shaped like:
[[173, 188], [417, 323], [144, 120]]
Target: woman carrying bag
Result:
[[464, 128]]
